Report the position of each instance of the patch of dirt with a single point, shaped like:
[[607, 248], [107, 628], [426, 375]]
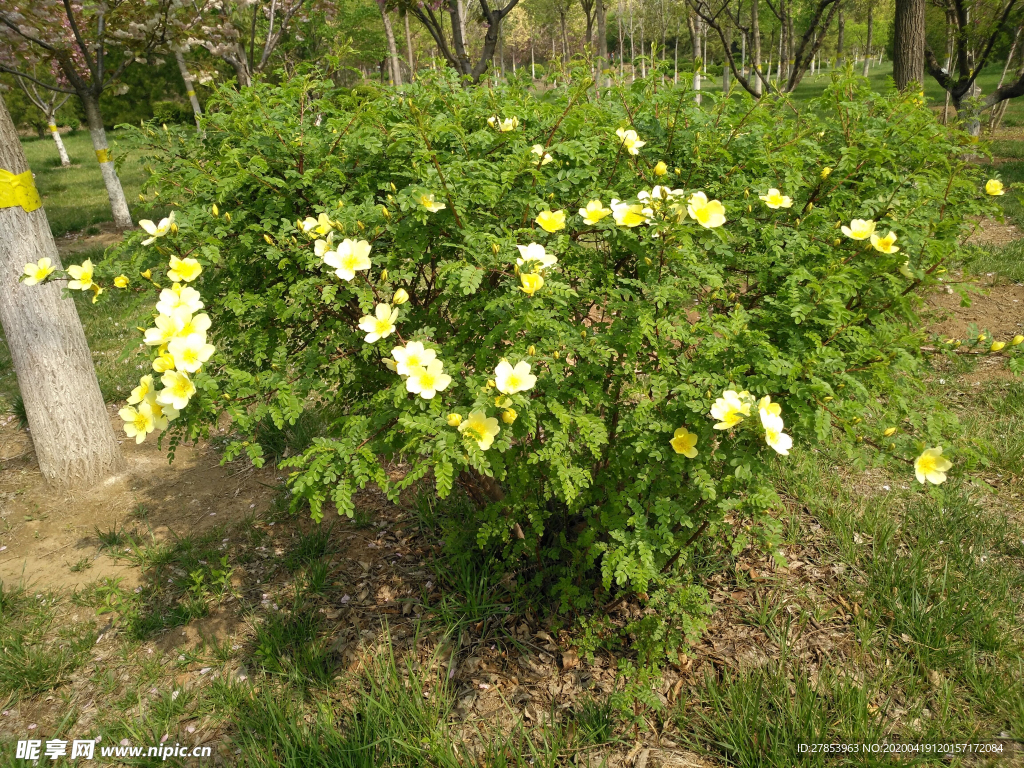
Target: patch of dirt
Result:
[[45, 531], [998, 309], [992, 232], [78, 242]]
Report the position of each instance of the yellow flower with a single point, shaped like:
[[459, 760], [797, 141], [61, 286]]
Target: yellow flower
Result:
[[148, 274], [428, 202], [890, 432], [190, 352], [859, 229], [826, 172], [96, 291], [777, 440], [884, 244], [82, 276], [683, 441], [380, 325], [994, 187], [531, 350], [535, 257], [996, 346], [660, 169], [510, 380], [454, 419], [766, 404], [480, 428], [1016, 340], [775, 199], [401, 296], [630, 140], [121, 281], [412, 355], [166, 328], [184, 270], [730, 408], [36, 273], [138, 422], [538, 150], [215, 211], [178, 390], [142, 391], [509, 415], [594, 212], [179, 297], [531, 283], [551, 221], [628, 215], [426, 381], [157, 230], [931, 467], [708, 214], [321, 225], [163, 363], [321, 246], [506, 125], [192, 324], [351, 256]]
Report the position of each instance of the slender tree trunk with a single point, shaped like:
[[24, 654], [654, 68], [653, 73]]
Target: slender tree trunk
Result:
[[602, 40], [632, 49], [74, 443], [755, 35], [675, 66], [389, 32], [908, 43], [695, 38], [643, 48], [840, 32], [118, 203], [867, 46], [408, 46], [189, 87], [618, 18], [65, 161], [533, 63]]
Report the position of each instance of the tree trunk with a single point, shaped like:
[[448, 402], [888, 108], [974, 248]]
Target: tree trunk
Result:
[[695, 37], [65, 161], [389, 32], [867, 47], [840, 32], [602, 40], [408, 45], [118, 203], [189, 87], [908, 43], [74, 443], [755, 40]]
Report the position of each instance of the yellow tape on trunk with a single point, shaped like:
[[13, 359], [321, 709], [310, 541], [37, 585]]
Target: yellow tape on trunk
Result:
[[103, 155], [18, 191], [191, 94], [53, 128]]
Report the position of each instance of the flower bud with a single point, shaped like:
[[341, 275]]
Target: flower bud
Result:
[[227, 217], [556, 354], [746, 193], [393, 187], [583, 334], [892, 446], [1016, 340], [400, 297], [454, 419], [508, 415], [996, 346], [384, 276], [490, 383], [268, 238], [660, 169], [825, 172], [647, 261], [495, 248], [750, 209], [837, 242], [810, 206], [981, 337], [829, 399], [890, 432], [798, 221], [386, 212], [142, 198], [677, 171], [215, 210], [360, 225], [532, 350], [148, 274]]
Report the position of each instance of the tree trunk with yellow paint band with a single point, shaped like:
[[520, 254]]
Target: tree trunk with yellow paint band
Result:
[[189, 85], [118, 202], [70, 427], [65, 161]]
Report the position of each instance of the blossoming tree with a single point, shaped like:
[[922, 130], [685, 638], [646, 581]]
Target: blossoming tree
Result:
[[603, 321]]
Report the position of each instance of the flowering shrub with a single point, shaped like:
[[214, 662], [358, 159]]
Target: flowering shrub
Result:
[[603, 319]]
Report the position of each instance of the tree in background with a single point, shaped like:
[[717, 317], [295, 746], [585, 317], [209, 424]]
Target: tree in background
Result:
[[70, 427], [78, 39], [48, 101], [908, 43]]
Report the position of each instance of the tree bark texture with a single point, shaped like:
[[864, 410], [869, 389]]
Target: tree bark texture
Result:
[[118, 202], [908, 43], [74, 442]]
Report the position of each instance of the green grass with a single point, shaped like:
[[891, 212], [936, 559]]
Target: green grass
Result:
[[75, 198]]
